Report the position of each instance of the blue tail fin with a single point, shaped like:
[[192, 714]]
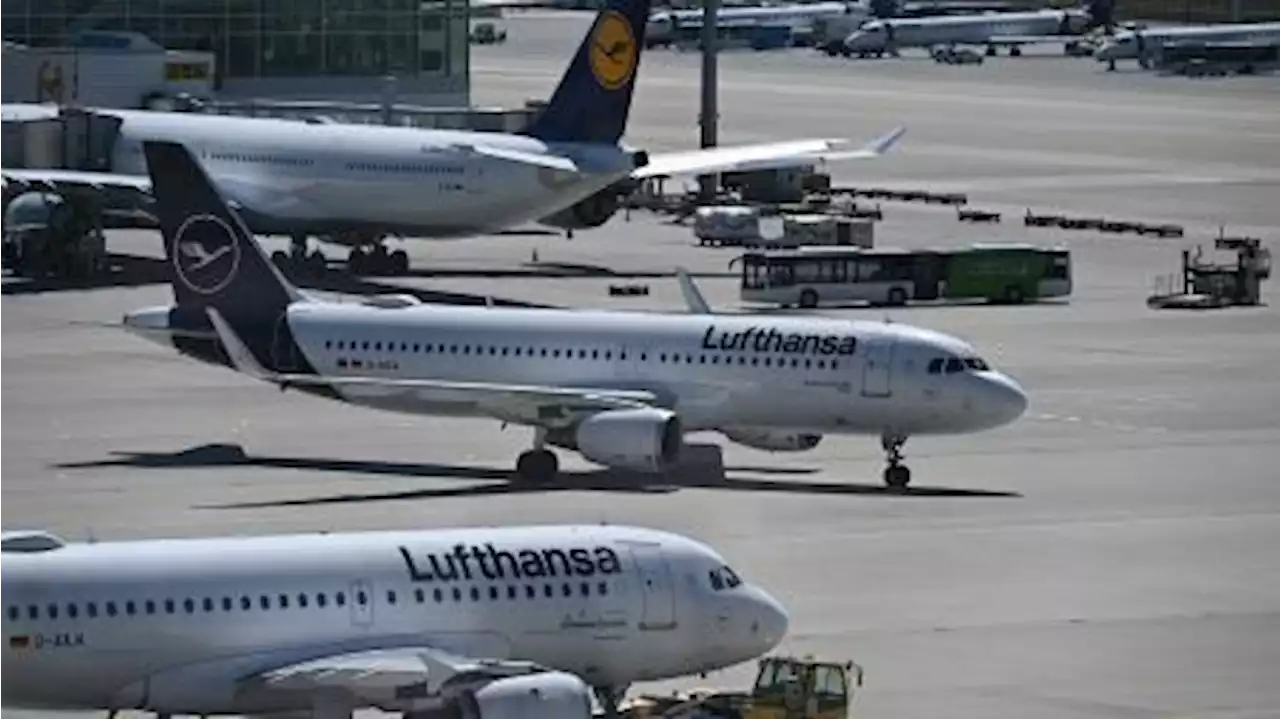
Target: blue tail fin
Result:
[[214, 259], [593, 98]]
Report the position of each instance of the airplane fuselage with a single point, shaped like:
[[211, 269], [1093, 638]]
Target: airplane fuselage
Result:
[[297, 177], [177, 623], [880, 35], [1131, 44], [716, 372]]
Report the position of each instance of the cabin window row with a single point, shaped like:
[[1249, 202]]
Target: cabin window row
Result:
[[261, 159], [301, 600], [582, 354], [411, 167]]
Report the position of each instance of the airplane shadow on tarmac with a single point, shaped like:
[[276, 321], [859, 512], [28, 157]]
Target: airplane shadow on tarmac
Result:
[[703, 475]]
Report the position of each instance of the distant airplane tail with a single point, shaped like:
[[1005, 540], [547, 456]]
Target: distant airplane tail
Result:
[[213, 259], [593, 99]]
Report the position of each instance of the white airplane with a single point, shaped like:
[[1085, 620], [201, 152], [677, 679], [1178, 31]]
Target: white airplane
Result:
[[620, 388], [1011, 29], [662, 25], [1141, 44], [355, 184], [506, 622]]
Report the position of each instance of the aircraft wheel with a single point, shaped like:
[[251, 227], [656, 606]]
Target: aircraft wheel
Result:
[[281, 259], [537, 466], [399, 262], [356, 262], [897, 477], [316, 263], [808, 299], [1015, 52]]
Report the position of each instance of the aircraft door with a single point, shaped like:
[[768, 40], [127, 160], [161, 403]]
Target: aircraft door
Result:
[[877, 368], [656, 588], [360, 599]]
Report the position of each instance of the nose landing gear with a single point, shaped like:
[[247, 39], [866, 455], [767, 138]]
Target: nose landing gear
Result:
[[896, 475]]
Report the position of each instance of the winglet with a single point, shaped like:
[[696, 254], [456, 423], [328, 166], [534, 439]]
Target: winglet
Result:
[[883, 144], [241, 358], [692, 295]]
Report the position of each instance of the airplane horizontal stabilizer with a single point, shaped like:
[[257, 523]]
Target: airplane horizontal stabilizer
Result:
[[53, 179], [517, 403], [765, 156]]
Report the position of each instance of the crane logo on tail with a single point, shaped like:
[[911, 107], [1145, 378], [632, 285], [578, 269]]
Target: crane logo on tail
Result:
[[205, 254], [613, 52]]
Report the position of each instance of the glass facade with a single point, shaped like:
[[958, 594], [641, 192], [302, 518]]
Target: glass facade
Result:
[[270, 38]]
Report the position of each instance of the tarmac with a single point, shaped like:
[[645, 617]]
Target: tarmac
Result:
[[1112, 555]]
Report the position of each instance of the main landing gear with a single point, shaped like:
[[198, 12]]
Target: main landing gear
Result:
[[538, 465], [896, 475], [368, 257]]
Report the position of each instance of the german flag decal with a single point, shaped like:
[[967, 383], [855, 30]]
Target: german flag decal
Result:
[[20, 641]]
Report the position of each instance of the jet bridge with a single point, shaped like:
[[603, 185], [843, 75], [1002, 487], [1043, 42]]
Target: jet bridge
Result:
[[55, 228]]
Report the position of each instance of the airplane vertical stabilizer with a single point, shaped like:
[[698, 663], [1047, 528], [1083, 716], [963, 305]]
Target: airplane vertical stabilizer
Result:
[[593, 99], [215, 262]]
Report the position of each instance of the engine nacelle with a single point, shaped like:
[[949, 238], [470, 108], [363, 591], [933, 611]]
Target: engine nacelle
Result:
[[544, 695], [772, 441], [644, 440], [593, 211]]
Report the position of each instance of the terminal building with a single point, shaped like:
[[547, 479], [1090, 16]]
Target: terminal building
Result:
[[280, 49]]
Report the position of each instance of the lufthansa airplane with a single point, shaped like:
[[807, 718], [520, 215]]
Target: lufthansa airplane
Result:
[[506, 622], [355, 184], [620, 388]]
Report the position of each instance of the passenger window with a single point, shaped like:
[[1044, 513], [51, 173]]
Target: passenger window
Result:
[[322, 599], [457, 594], [33, 612], [189, 606], [130, 608], [283, 599], [264, 602], [529, 591], [935, 365], [71, 611], [207, 604], [419, 596], [547, 591], [169, 606], [566, 589], [954, 365], [302, 601], [91, 609], [226, 604], [512, 592], [437, 595], [584, 589], [602, 587], [493, 593], [13, 614], [53, 611], [475, 594], [111, 610], [391, 596]]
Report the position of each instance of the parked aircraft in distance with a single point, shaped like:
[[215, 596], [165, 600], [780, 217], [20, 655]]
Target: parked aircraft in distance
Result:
[[1012, 30], [1141, 44], [663, 24], [356, 184], [620, 388], [504, 621]]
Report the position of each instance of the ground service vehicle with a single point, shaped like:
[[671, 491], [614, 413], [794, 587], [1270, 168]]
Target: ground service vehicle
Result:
[[795, 688], [486, 33], [807, 276]]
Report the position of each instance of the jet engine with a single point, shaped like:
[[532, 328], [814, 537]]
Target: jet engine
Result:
[[593, 211], [644, 440], [771, 441], [546, 695]]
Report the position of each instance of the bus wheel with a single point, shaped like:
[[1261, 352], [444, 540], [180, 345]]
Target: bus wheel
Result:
[[897, 297], [808, 299], [1013, 295]]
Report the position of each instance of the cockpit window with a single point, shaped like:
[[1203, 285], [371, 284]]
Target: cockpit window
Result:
[[955, 365], [724, 578]]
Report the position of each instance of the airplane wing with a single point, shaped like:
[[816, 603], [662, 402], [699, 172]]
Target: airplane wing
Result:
[[61, 179], [765, 156], [538, 405], [415, 678]]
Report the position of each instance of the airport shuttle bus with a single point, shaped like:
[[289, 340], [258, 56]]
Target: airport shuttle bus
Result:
[[808, 276]]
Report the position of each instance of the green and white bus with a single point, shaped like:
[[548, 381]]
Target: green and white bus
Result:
[[808, 276]]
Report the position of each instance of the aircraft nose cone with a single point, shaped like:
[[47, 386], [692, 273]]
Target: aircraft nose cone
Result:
[[1005, 399], [772, 621]]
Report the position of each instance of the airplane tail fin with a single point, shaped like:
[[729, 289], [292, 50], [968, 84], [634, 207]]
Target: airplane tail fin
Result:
[[593, 99], [213, 258]]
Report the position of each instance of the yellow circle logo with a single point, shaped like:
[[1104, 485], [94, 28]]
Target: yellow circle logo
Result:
[[613, 51]]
